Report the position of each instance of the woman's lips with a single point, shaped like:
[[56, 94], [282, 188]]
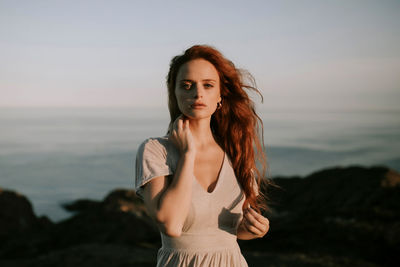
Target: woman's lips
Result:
[[198, 106]]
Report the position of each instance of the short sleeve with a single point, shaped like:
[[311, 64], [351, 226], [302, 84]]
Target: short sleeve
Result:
[[151, 162]]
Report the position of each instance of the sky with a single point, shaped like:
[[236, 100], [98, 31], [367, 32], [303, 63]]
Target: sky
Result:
[[302, 54]]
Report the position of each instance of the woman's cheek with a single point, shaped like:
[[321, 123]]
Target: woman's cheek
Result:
[[180, 105]]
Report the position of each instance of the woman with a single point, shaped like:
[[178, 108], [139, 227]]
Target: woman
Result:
[[200, 182]]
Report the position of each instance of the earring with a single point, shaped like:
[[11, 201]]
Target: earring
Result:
[[219, 104]]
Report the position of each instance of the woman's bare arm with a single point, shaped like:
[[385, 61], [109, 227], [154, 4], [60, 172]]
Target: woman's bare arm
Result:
[[169, 203]]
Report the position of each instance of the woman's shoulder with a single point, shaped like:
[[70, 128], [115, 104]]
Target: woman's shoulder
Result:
[[153, 159], [155, 142], [160, 145]]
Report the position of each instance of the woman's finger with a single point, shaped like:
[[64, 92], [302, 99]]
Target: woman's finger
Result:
[[175, 124], [180, 124], [173, 133], [251, 228], [258, 216], [263, 223], [253, 221]]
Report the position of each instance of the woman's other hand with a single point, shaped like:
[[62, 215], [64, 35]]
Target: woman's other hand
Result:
[[181, 135], [255, 223]]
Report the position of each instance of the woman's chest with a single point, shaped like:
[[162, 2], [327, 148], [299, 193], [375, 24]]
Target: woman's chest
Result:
[[221, 209], [207, 168]]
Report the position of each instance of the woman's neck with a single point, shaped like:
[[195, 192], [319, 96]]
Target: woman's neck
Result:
[[202, 133]]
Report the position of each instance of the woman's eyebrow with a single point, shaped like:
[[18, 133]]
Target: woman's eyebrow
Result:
[[204, 80]]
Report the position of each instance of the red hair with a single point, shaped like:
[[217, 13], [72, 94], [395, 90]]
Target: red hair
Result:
[[235, 125]]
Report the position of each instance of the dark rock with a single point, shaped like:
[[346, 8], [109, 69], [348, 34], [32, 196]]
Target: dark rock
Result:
[[276, 259], [82, 205], [349, 212], [119, 200], [120, 218], [368, 193], [124, 201], [17, 216], [334, 217], [91, 254]]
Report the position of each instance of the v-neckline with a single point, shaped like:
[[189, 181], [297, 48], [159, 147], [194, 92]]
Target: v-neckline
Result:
[[218, 178]]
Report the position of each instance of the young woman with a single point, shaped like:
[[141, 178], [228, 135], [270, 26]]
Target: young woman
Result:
[[200, 182]]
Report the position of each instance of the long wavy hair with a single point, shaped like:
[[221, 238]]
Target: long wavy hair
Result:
[[235, 124]]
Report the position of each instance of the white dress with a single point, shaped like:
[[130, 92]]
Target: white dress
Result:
[[209, 232]]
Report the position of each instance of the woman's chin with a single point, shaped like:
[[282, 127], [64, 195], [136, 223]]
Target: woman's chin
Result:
[[195, 115]]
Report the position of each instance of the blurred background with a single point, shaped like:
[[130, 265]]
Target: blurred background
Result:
[[82, 84]]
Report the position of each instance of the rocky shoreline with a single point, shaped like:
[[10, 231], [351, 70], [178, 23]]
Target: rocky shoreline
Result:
[[333, 217]]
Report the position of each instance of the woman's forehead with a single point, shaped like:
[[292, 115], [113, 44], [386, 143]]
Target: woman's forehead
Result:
[[198, 69]]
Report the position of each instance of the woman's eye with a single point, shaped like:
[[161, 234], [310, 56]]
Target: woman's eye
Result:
[[208, 85], [186, 85]]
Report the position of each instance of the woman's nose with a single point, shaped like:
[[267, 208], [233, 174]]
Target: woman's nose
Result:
[[198, 91]]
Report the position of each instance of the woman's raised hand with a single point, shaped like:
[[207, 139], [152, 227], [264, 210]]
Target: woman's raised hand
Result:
[[181, 135], [255, 223]]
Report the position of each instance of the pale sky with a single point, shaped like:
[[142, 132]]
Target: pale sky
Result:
[[303, 54]]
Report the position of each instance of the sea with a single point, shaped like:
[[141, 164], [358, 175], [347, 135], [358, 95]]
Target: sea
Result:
[[57, 155]]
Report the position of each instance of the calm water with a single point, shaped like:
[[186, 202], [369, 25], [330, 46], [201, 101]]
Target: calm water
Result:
[[58, 155]]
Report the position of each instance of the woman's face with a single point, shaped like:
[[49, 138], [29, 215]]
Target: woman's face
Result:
[[197, 89]]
